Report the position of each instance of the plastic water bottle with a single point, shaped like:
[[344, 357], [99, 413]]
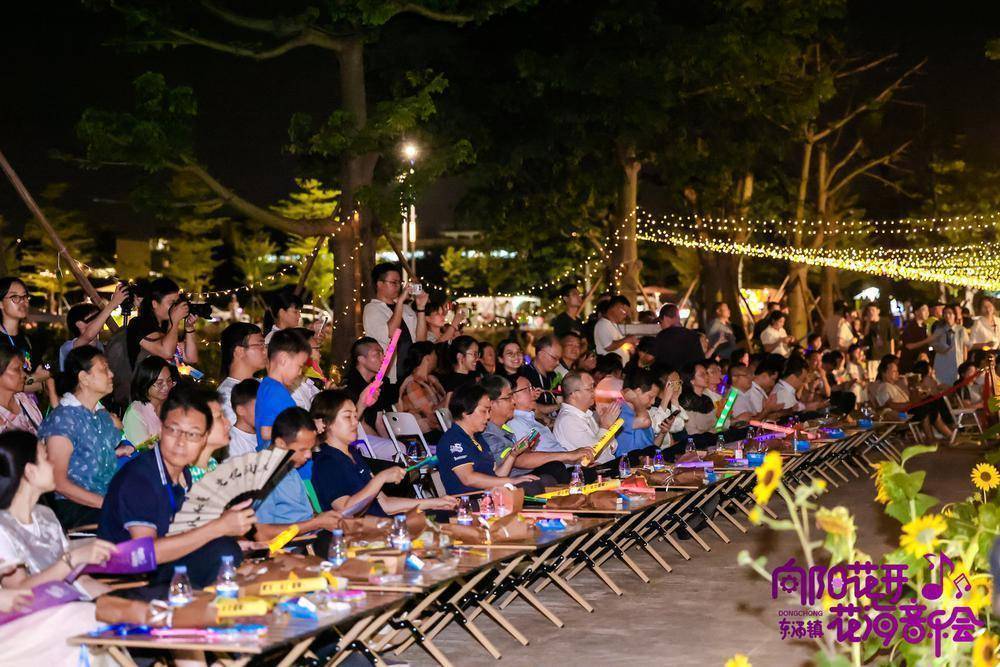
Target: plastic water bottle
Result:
[[399, 538], [225, 584], [576, 480], [463, 516], [720, 442], [337, 553], [487, 510], [624, 469], [180, 587], [690, 446], [658, 463]]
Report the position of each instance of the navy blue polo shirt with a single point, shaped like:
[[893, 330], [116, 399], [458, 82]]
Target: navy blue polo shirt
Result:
[[457, 448], [141, 494], [335, 475]]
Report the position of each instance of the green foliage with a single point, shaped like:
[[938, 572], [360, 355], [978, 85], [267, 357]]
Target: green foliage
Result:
[[191, 261], [255, 253], [312, 200]]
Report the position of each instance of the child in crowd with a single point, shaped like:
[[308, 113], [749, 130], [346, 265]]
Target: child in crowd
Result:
[[243, 400]]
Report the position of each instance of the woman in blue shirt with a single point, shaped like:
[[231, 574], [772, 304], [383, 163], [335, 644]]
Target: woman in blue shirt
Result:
[[342, 478], [83, 438], [465, 463]]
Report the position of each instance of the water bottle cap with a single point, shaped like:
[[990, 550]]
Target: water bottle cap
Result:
[[227, 560], [465, 497], [337, 532], [180, 569]]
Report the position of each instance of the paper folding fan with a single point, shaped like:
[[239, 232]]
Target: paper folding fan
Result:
[[248, 477]]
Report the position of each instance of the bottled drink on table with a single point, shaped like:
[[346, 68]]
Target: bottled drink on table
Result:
[[576, 480], [463, 515], [658, 463], [690, 447], [337, 553], [180, 587], [624, 470], [720, 441], [399, 537], [225, 584], [487, 508]]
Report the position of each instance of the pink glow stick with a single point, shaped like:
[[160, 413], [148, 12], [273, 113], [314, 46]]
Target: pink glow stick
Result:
[[771, 426], [386, 360]]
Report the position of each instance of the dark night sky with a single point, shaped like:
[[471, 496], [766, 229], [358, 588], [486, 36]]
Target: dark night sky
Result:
[[56, 65]]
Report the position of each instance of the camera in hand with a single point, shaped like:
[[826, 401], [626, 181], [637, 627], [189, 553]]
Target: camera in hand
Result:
[[202, 310], [128, 305]]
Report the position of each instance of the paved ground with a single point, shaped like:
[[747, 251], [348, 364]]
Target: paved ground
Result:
[[702, 613]]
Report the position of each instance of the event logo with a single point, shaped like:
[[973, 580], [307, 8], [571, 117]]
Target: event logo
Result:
[[868, 599]]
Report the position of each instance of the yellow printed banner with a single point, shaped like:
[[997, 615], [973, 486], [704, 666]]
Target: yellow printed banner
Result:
[[587, 488], [293, 586], [235, 608]]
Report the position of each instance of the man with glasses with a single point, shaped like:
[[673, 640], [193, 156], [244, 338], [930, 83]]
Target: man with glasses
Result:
[[147, 492], [388, 311], [572, 348], [244, 354], [541, 372], [578, 425], [754, 400]]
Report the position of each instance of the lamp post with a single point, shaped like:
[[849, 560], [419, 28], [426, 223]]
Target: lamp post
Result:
[[410, 152]]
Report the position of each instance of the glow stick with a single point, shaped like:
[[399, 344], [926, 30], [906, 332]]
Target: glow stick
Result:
[[609, 394], [283, 538], [771, 426], [386, 360], [587, 488], [727, 408], [606, 438], [429, 461]]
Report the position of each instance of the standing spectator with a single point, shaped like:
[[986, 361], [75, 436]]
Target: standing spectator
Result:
[[774, 338], [577, 426], [462, 362], [244, 354], [676, 346], [951, 346], [569, 321], [85, 321], [879, 336], [541, 373], [721, 338], [915, 338], [936, 311], [420, 392], [14, 298], [18, 411], [284, 311], [83, 438], [764, 322], [287, 353], [838, 333], [163, 326], [608, 335], [151, 383], [986, 328], [388, 311], [439, 330]]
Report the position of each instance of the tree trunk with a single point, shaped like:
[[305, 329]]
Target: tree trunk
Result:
[[626, 253], [828, 291], [797, 323]]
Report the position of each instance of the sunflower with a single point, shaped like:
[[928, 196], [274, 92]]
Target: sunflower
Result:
[[984, 650], [768, 477], [881, 494], [755, 516], [738, 660], [837, 521], [977, 597], [985, 477], [920, 536]]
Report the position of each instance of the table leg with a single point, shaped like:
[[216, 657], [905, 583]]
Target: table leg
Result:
[[121, 656], [295, 652], [499, 619]]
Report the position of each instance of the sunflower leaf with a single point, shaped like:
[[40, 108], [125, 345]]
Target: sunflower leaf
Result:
[[915, 450]]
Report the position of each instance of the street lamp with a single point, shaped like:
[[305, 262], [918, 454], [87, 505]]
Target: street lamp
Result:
[[410, 151]]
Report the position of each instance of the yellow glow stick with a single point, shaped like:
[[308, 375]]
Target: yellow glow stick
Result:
[[605, 439], [609, 485], [293, 586], [283, 538]]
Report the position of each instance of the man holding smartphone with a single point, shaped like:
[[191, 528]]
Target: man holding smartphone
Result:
[[389, 311]]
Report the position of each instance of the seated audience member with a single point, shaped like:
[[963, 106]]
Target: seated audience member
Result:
[[541, 373], [608, 335], [295, 431], [244, 354], [420, 392], [856, 365], [888, 394], [511, 359], [816, 387], [83, 439], [971, 392], [464, 462], [147, 492], [368, 355], [463, 355], [792, 382], [284, 311], [242, 399], [34, 551], [576, 425], [587, 362], [814, 342], [571, 345], [85, 321], [716, 380], [644, 357], [755, 401], [668, 406], [287, 353], [439, 330], [524, 420], [774, 339], [550, 468], [487, 359], [152, 381], [637, 437], [608, 366], [18, 410], [341, 476], [698, 404]]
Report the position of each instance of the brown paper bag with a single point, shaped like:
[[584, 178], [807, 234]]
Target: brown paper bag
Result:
[[510, 528], [508, 501], [603, 500], [661, 478], [570, 502], [689, 476]]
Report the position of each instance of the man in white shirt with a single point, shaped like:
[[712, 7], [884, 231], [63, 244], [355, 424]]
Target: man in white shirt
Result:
[[753, 401], [389, 311], [838, 332], [792, 379], [985, 334], [577, 426], [608, 336], [244, 353], [774, 338]]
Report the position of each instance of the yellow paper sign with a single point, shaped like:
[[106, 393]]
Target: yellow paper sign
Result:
[[244, 607], [293, 586], [587, 488], [283, 538]]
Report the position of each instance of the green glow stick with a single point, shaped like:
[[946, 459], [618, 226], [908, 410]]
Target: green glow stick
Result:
[[727, 408]]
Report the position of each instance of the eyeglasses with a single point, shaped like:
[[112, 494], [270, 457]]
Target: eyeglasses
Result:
[[517, 391], [255, 345], [18, 298], [504, 397], [187, 436], [474, 355], [392, 282], [164, 384]]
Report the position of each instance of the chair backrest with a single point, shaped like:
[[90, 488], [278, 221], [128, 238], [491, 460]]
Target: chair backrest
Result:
[[363, 437], [444, 418], [404, 425]]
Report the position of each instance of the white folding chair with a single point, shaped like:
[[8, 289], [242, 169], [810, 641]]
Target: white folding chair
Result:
[[363, 438], [964, 417], [444, 418], [404, 425]]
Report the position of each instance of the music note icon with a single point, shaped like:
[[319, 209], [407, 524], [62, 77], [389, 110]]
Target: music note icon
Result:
[[968, 585], [931, 590]]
